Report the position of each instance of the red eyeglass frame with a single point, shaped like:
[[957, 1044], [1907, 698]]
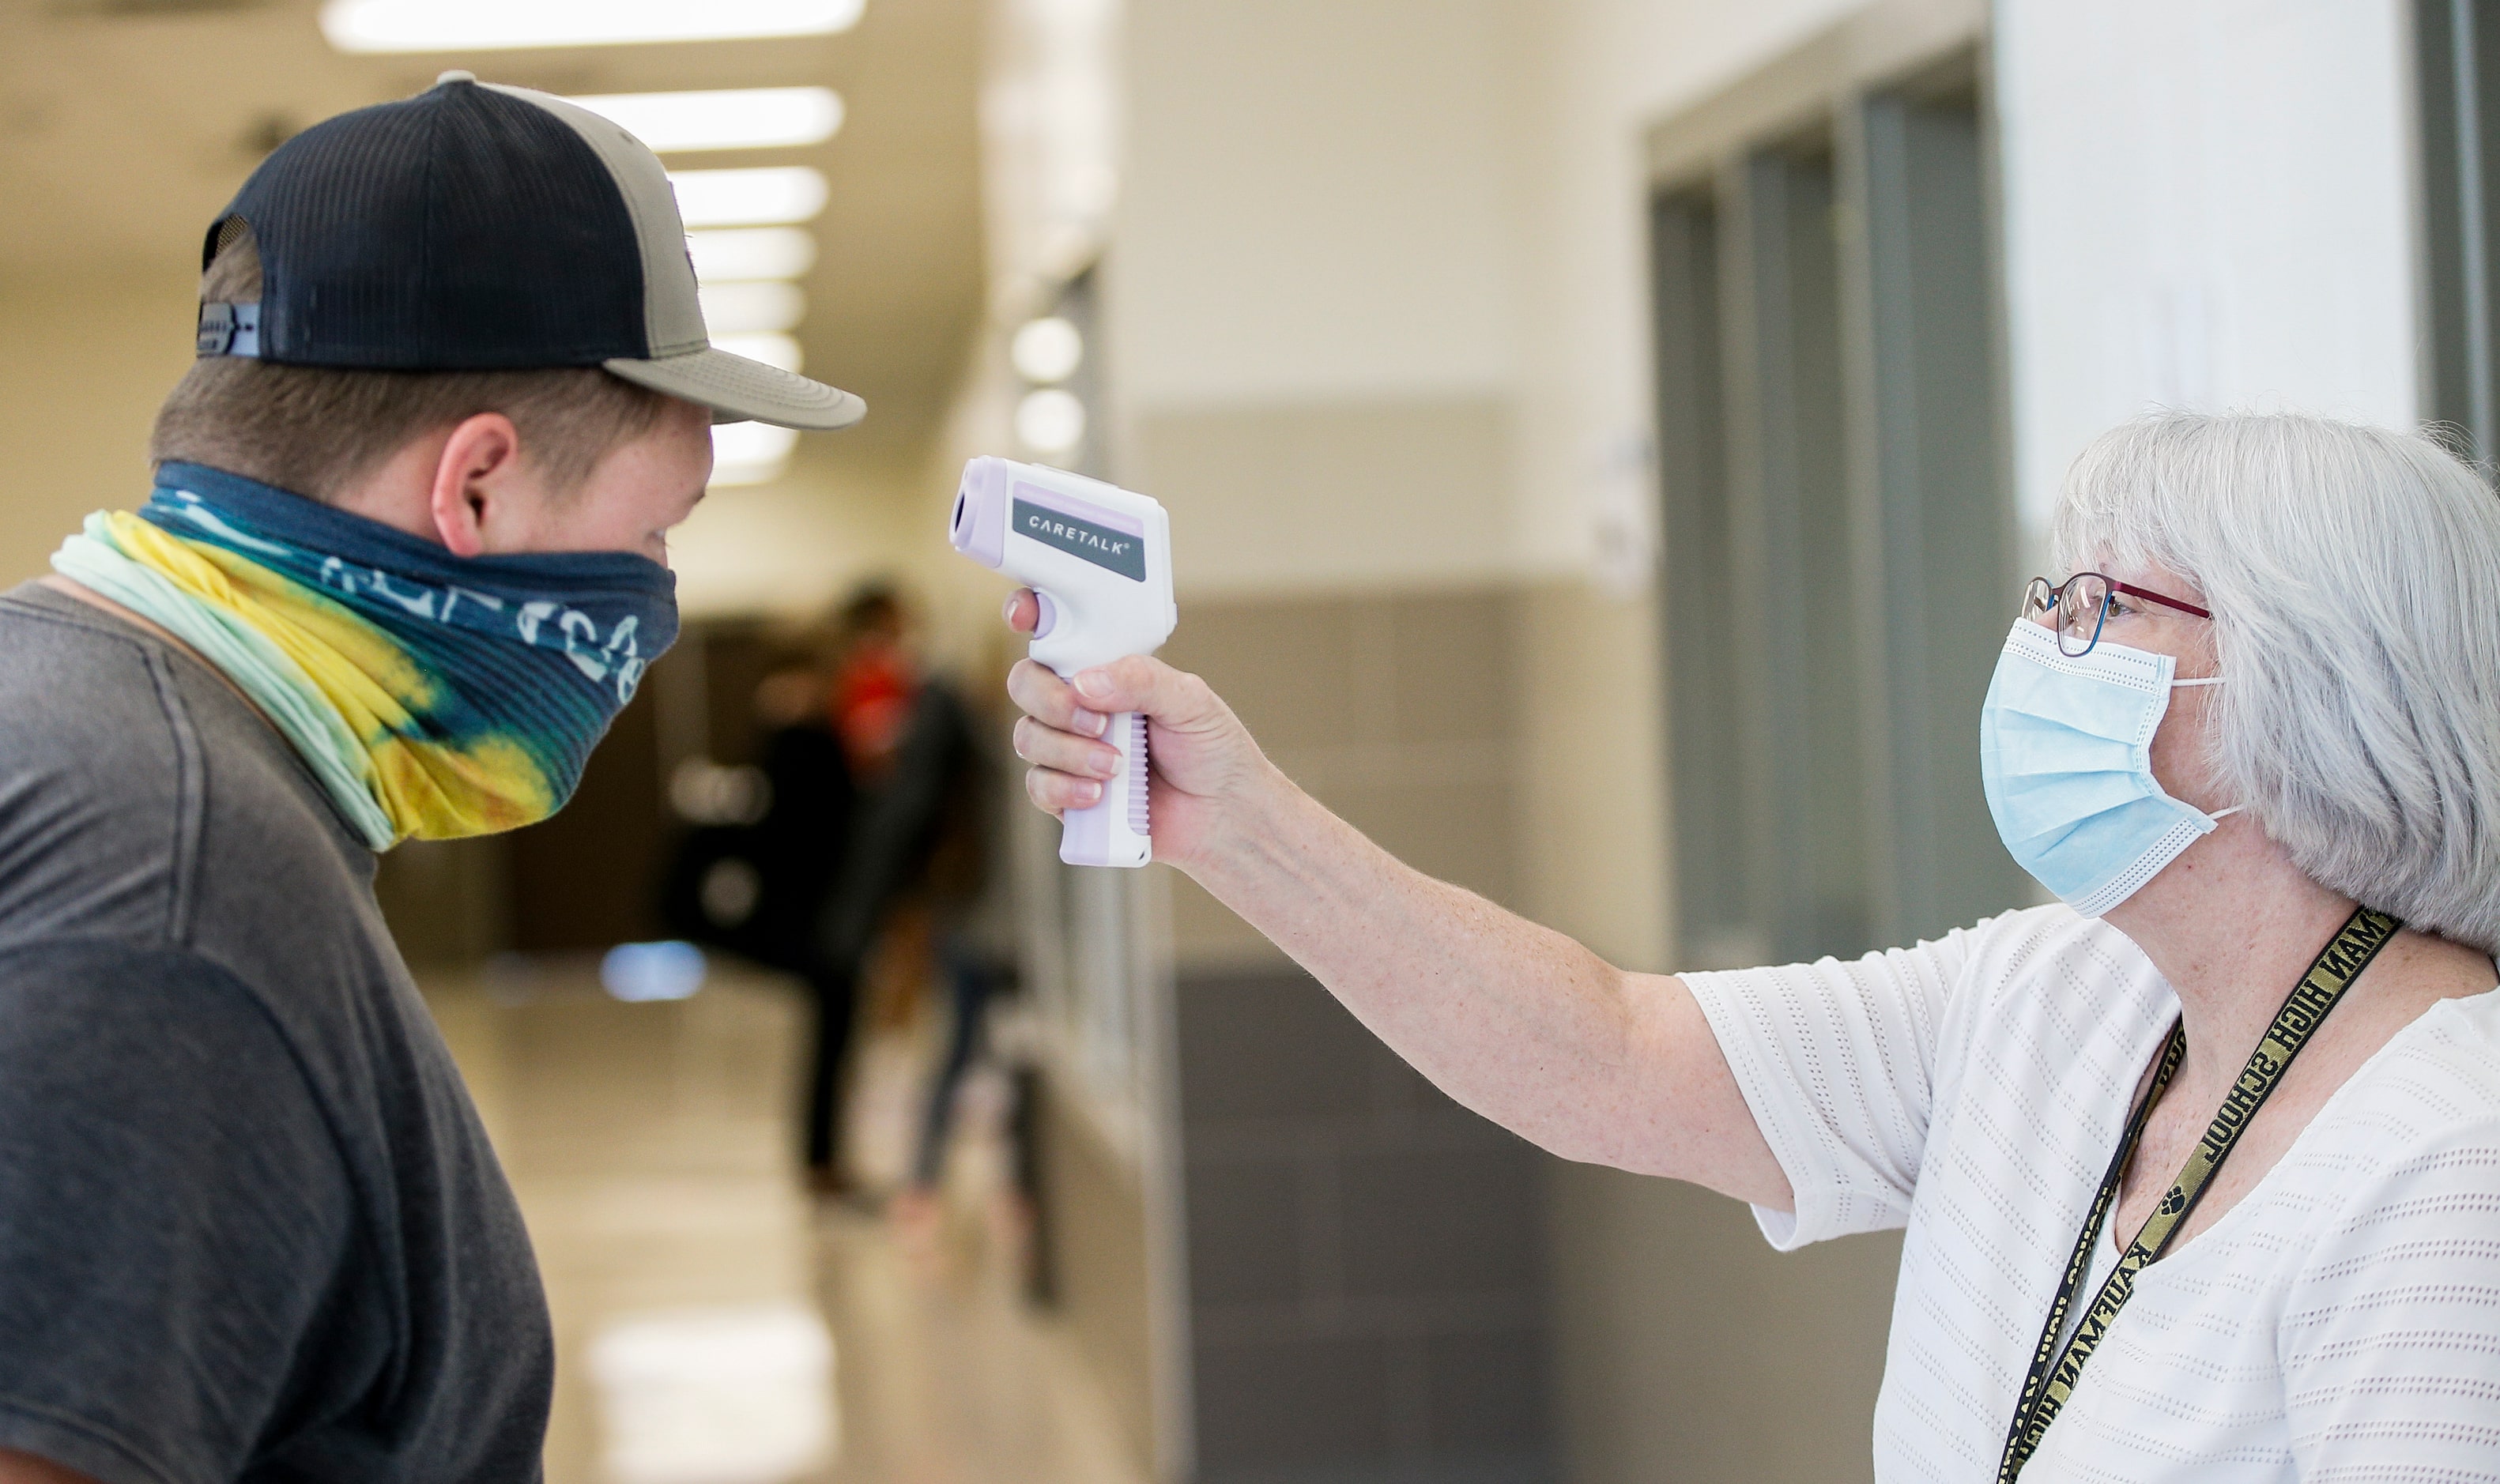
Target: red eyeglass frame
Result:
[[2056, 596]]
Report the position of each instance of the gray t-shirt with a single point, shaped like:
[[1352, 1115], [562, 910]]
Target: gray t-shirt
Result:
[[250, 1228]]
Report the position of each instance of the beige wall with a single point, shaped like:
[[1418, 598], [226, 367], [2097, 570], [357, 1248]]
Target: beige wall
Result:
[[1344, 227], [1326, 495], [1316, 201], [1686, 1348], [83, 363], [1378, 321], [1386, 706], [1604, 72], [1687, 1352], [1098, 1235], [1593, 841], [1308, 302]]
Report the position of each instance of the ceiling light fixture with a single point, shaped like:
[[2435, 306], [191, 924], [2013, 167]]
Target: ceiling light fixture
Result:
[[750, 452], [775, 350], [750, 309], [1046, 349], [752, 443], [485, 26], [737, 253], [763, 196], [724, 118], [1050, 421]]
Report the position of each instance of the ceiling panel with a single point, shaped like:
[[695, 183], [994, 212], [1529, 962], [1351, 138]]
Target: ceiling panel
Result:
[[125, 124]]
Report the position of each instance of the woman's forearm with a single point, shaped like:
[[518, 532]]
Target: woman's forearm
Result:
[[1515, 1020]]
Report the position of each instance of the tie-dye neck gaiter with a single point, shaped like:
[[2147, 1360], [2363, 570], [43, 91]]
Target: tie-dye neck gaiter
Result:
[[434, 695]]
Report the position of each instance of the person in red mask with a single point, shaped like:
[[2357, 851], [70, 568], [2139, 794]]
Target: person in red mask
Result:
[[874, 685]]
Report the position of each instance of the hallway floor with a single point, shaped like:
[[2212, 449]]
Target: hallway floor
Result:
[[693, 1284]]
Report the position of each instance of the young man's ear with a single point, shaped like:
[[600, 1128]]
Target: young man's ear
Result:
[[476, 475]]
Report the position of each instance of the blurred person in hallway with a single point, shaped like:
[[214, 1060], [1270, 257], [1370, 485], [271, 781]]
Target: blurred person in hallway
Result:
[[759, 887], [764, 839], [403, 563], [912, 862], [2198, 1163]]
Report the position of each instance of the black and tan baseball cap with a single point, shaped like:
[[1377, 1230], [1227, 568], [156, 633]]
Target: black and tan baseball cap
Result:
[[480, 228]]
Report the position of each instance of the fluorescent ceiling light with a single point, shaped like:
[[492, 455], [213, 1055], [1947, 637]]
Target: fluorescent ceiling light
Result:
[[724, 118], [1050, 421], [1046, 349], [778, 351], [750, 445], [751, 253], [487, 25], [758, 197], [748, 308]]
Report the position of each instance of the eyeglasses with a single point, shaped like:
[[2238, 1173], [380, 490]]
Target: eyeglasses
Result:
[[2082, 605]]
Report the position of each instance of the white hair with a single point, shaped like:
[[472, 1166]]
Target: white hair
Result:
[[2355, 577]]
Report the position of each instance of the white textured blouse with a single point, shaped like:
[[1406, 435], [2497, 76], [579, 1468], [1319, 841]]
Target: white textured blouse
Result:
[[2341, 1322]]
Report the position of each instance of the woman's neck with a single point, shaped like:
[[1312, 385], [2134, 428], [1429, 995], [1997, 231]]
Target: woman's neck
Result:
[[2232, 924]]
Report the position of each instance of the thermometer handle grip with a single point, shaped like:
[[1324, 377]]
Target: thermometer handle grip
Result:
[[1114, 830]]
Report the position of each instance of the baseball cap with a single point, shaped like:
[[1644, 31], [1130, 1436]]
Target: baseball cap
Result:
[[480, 227]]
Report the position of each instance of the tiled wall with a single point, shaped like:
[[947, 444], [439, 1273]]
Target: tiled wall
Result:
[[1367, 1279], [1096, 1261], [1396, 711], [1366, 1282]]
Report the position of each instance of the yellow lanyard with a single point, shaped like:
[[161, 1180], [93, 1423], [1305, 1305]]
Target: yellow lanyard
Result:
[[2053, 1376]]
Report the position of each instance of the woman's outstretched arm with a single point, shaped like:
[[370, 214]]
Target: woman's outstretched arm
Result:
[[1517, 1021]]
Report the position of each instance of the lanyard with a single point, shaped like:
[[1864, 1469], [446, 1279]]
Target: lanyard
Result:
[[2051, 1378]]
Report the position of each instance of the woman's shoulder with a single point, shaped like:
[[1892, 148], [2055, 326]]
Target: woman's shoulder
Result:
[[2432, 1092], [2046, 1009], [2387, 1216], [2409, 1141], [2465, 1032], [2054, 939], [2050, 961]]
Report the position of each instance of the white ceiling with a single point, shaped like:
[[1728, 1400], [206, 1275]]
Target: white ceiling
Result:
[[125, 124]]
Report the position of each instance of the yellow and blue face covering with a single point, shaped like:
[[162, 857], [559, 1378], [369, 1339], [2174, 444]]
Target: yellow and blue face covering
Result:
[[434, 696]]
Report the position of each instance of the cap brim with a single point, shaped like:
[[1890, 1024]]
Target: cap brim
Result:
[[739, 390]]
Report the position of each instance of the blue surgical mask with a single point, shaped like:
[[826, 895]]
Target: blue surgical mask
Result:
[[2065, 752]]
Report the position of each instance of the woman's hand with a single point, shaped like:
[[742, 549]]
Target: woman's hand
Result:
[[1206, 770]]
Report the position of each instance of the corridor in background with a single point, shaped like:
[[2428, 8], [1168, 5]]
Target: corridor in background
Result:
[[649, 1145]]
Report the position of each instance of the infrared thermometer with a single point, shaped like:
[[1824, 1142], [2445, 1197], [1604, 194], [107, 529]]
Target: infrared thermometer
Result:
[[1099, 558]]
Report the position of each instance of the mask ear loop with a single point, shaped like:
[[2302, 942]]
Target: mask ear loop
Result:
[[2211, 680]]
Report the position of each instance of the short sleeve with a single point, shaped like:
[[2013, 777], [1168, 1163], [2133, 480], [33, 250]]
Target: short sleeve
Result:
[[2390, 1338], [1836, 1061], [173, 1215]]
